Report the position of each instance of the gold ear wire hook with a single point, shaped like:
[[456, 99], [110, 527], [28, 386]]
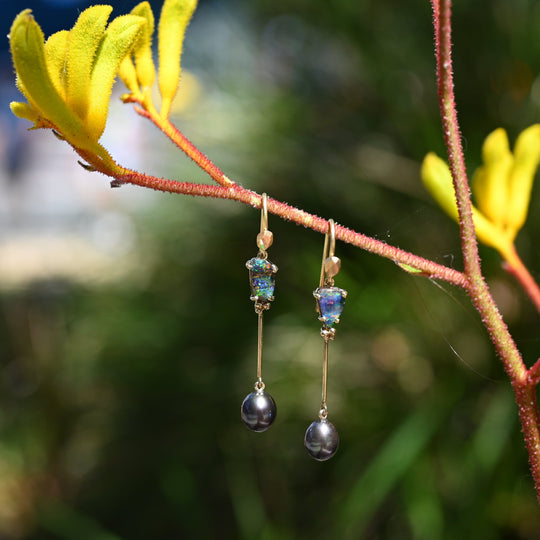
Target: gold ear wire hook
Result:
[[265, 237], [330, 265], [332, 246]]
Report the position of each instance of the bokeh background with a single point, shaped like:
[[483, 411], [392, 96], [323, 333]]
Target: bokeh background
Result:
[[127, 337]]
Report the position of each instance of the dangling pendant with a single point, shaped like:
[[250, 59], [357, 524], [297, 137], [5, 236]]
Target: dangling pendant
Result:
[[321, 439], [259, 410]]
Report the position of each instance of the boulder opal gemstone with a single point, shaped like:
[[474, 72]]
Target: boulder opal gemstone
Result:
[[330, 304], [262, 279]]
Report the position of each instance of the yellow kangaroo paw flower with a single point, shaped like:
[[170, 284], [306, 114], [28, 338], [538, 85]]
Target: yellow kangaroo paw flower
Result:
[[128, 74], [56, 56], [28, 53], [117, 42], [144, 64], [437, 178], [23, 110], [526, 160], [84, 40], [489, 184], [173, 21]]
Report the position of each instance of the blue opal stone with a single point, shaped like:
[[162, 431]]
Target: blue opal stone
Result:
[[261, 279], [330, 304]]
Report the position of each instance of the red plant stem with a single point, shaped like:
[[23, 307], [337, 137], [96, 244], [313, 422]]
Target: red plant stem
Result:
[[534, 373], [186, 146], [230, 190], [452, 135], [514, 265], [471, 279], [301, 217], [524, 388], [418, 265]]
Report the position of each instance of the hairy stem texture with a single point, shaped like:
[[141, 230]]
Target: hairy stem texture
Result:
[[476, 286], [523, 381]]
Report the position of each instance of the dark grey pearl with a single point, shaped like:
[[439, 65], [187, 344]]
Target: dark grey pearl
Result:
[[258, 411], [321, 440]]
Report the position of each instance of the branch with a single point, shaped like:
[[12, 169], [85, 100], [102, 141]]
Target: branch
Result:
[[514, 266], [476, 286], [186, 146], [238, 193], [534, 373], [452, 135], [230, 190]]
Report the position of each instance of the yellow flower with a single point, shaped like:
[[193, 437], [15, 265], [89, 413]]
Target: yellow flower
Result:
[[137, 70], [501, 187], [68, 79], [175, 16]]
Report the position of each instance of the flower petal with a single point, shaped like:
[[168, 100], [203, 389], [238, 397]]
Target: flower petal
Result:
[[173, 21], [146, 72], [55, 55], [117, 42], [128, 74], [438, 181], [526, 160], [490, 182], [28, 53], [23, 110], [84, 40]]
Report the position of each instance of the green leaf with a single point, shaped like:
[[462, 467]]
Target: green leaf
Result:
[[410, 269]]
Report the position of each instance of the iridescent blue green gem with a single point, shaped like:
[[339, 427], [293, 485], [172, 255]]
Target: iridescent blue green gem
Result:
[[330, 302], [262, 279]]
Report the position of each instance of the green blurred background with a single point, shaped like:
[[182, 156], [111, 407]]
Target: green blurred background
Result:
[[122, 379]]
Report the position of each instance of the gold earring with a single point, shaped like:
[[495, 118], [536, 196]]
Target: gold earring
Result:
[[321, 439], [258, 409]]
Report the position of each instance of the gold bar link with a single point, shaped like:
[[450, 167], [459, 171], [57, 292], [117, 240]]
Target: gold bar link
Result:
[[324, 410], [259, 347]]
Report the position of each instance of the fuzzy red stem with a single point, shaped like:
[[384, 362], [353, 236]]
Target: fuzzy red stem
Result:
[[534, 373], [186, 146], [452, 135], [233, 191], [478, 291], [285, 211], [514, 266]]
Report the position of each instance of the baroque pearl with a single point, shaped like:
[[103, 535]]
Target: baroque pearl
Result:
[[321, 440], [258, 411]]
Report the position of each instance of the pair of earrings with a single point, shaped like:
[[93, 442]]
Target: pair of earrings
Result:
[[258, 409]]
